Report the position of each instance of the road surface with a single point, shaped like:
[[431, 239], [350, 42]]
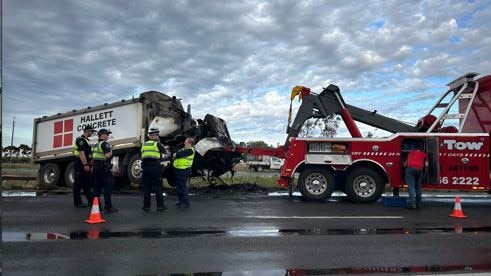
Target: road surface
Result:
[[236, 234]]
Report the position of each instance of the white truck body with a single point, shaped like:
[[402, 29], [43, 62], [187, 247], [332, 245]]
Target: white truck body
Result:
[[266, 162], [55, 138], [129, 120]]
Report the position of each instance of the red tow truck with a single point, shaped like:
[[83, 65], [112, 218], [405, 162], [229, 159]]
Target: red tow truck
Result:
[[455, 133]]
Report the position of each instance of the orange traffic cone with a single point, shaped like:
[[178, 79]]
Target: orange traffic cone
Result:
[[458, 228], [93, 234], [457, 210], [95, 214]]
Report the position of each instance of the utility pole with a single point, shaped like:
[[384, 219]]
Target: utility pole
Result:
[[12, 140]]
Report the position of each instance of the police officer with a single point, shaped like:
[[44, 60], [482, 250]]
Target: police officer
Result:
[[151, 154], [103, 178], [183, 160], [83, 156]]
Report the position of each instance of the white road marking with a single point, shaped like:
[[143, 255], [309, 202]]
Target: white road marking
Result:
[[16, 194], [326, 217]]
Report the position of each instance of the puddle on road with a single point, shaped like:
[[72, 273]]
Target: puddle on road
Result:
[[17, 194], [375, 270], [267, 232]]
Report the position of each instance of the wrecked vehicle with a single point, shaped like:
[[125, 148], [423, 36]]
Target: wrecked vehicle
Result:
[[129, 121]]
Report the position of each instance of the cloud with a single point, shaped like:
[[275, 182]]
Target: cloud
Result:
[[236, 59]]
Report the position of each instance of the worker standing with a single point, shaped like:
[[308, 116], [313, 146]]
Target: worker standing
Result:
[[83, 157], [151, 154], [103, 178], [183, 161], [416, 162]]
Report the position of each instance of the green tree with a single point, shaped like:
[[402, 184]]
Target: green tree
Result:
[[324, 127], [257, 144], [24, 149], [308, 128]]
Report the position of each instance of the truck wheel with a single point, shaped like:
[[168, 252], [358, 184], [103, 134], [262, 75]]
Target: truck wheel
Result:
[[134, 170], [49, 176], [364, 185], [260, 169], [70, 175], [316, 184]]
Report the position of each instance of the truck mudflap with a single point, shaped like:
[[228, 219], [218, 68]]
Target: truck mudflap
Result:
[[283, 182]]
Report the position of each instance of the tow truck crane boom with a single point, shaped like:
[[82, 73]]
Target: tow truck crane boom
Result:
[[330, 101]]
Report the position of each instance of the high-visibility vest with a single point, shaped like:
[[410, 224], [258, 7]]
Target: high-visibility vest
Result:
[[150, 150], [97, 153], [184, 162], [76, 150]]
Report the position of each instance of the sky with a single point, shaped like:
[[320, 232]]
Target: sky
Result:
[[237, 60]]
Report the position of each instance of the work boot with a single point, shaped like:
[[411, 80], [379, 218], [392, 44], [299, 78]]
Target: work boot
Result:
[[160, 209], [146, 209], [411, 207], [81, 205]]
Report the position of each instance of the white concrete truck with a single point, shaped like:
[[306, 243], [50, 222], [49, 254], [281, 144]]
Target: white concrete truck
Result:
[[129, 121]]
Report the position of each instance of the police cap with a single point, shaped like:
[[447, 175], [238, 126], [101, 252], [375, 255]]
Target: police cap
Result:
[[153, 131], [89, 128], [103, 131]]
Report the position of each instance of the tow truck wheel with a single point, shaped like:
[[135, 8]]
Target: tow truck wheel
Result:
[[70, 175], [135, 169], [364, 185], [316, 184], [260, 168], [49, 176]]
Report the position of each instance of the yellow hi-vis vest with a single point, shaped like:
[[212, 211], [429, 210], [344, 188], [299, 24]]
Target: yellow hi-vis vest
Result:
[[150, 150], [97, 153], [76, 151], [184, 162]]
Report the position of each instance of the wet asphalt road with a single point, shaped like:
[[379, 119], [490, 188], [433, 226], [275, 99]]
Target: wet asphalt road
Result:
[[237, 233]]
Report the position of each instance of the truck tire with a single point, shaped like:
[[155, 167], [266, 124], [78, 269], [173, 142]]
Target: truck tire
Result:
[[134, 170], [316, 184], [49, 176], [70, 174], [364, 185], [259, 169]]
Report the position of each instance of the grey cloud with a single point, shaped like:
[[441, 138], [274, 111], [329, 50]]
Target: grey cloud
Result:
[[219, 52]]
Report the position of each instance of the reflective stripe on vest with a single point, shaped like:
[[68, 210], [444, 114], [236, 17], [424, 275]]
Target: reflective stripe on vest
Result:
[[97, 153], [150, 150], [76, 151], [184, 162]]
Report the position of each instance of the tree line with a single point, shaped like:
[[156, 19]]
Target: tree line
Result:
[[22, 150]]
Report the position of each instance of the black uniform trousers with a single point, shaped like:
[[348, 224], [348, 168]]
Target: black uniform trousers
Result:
[[82, 181], [103, 180], [152, 179], [181, 179]]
